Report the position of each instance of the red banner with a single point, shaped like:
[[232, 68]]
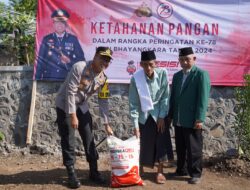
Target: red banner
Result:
[[217, 30]]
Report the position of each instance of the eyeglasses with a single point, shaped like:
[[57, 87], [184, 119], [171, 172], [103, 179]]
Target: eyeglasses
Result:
[[183, 59], [60, 22], [105, 62]]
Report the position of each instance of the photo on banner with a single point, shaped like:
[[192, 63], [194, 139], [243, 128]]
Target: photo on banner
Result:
[[69, 31]]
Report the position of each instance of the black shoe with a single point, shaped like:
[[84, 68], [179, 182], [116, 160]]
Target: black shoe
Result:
[[73, 182], [97, 178], [179, 174], [94, 175], [194, 180]]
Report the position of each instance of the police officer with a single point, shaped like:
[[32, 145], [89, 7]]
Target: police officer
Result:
[[83, 80], [59, 50]]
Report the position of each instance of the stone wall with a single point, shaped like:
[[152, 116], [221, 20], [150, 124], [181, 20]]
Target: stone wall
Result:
[[7, 57], [15, 98]]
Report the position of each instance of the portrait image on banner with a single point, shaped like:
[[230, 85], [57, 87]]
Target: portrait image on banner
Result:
[[70, 31], [59, 50]]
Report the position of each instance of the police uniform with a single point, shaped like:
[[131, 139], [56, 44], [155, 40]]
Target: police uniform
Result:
[[72, 97], [49, 61]]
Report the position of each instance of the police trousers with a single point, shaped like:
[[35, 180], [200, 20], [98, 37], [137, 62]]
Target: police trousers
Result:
[[67, 134]]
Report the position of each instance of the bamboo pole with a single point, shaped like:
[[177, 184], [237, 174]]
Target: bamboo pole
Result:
[[26, 54], [31, 114]]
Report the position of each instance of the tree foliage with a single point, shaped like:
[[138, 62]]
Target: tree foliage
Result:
[[24, 6], [17, 26], [2, 7], [242, 123]]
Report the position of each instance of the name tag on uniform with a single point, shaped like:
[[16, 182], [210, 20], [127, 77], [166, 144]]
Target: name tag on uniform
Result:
[[69, 46]]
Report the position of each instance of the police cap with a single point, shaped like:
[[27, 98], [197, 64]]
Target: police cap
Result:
[[104, 51], [60, 15]]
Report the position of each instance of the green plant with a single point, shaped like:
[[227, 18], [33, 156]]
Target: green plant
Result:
[[242, 122], [17, 29], [1, 136], [22, 43]]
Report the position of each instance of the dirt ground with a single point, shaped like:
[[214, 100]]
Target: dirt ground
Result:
[[32, 172]]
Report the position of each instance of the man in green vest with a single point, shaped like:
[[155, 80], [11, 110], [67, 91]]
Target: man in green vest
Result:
[[188, 106]]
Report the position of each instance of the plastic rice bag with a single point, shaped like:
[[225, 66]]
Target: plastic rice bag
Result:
[[124, 156]]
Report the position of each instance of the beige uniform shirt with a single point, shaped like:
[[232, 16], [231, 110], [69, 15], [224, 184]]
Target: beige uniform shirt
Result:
[[80, 84]]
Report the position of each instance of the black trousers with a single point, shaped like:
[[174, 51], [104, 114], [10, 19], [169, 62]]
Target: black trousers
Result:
[[189, 144], [67, 134], [154, 146]]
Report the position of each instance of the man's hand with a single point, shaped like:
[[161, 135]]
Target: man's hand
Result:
[[137, 132], [160, 125], [64, 59], [74, 121], [108, 129], [198, 125]]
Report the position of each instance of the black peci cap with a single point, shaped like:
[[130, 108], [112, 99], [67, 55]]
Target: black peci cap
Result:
[[185, 51], [148, 55]]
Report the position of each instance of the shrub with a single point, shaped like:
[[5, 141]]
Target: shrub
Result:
[[1, 136], [242, 122]]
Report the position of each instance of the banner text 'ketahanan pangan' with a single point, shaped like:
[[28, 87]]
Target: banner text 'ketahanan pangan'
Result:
[[155, 28]]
